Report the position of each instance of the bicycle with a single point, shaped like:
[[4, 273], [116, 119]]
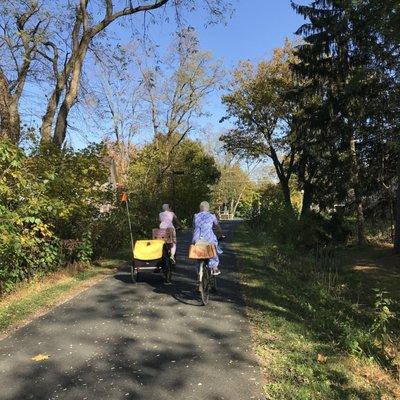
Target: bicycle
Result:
[[207, 281]]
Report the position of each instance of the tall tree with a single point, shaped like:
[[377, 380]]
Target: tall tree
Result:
[[117, 97], [258, 103], [85, 29], [328, 59], [67, 78], [233, 188], [397, 220], [324, 59], [176, 90], [349, 55], [23, 26], [198, 172]]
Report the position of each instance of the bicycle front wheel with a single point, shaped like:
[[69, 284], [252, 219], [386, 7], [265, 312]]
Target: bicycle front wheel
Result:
[[204, 283]]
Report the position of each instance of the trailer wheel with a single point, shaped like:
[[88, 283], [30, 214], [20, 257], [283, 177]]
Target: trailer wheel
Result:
[[134, 274]]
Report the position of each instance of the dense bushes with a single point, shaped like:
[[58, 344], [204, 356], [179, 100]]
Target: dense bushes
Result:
[[54, 209], [28, 243], [286, 227]]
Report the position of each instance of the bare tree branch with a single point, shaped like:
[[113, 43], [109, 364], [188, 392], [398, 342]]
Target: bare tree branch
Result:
[[109, 8], [124, 12]]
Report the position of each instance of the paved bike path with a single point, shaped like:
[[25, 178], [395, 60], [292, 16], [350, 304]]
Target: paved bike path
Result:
[[147, 341]]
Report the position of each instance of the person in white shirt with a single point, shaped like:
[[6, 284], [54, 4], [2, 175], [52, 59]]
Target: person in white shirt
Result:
[[168, 219]]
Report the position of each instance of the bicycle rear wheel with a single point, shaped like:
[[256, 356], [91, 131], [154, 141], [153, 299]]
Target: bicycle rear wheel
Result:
[[205, 283]]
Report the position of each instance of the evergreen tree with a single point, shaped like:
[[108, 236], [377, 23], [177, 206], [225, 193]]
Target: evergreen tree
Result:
[[350, 58]]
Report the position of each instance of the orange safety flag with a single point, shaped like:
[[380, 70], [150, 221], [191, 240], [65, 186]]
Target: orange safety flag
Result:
[[124, 196]]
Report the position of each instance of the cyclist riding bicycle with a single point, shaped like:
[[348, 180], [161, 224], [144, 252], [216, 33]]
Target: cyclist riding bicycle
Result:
[[204, 224], [168, 219]]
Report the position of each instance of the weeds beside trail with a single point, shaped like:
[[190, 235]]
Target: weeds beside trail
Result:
[[317, 340]]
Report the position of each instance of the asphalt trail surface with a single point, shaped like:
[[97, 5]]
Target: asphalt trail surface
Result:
[[145, 341]]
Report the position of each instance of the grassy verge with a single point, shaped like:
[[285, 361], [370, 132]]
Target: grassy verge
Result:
[[314, 343], [34, 298]]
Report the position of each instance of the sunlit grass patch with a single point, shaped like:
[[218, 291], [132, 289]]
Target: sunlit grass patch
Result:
[[42, 293]]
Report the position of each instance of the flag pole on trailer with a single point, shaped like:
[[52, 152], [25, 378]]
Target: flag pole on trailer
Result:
[[124, 195], [125, 199]]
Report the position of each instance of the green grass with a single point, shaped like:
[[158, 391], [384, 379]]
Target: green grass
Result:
[[294, 320], [44, 292]]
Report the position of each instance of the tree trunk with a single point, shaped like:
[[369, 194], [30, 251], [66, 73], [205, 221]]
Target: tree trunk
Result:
[[4, 109], [230, 209], [357, 194], [48, 118], [397, 221], [15, 123], [283, 181], [286, 194], [307, 200], [238, 201], [71, 95], [60, 131], [360, 221], [10, 123]]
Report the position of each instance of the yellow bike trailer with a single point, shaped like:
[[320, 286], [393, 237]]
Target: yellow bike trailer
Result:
[[153, 255]]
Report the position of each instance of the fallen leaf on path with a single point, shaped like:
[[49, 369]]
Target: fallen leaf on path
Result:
[[40, 357], [321, 359]]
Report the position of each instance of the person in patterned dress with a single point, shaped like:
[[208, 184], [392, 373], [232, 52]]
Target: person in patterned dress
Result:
[[204, 224]]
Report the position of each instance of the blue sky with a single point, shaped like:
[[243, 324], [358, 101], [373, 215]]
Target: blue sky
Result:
[[255, 29]]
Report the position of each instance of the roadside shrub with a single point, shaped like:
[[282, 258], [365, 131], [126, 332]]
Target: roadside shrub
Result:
[[28, 244], [54, 208], [274, 218], [111, 232]]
